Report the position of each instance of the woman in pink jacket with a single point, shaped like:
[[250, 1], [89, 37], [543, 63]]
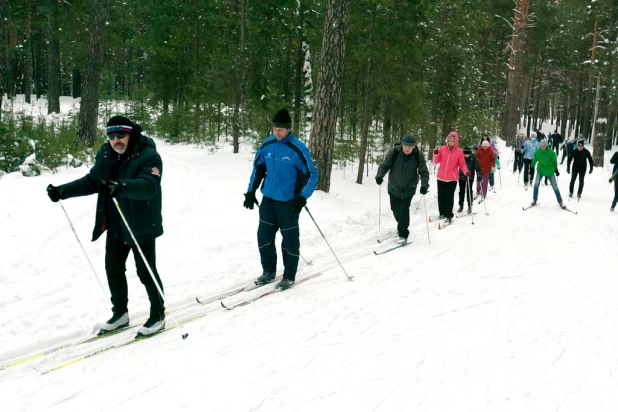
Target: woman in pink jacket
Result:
[[451, 159]]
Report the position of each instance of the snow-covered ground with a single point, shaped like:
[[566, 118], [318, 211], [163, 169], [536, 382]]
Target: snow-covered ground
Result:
[[514, 313]]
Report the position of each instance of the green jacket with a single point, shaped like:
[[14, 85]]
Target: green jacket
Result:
[[547, 160], [139, 175]]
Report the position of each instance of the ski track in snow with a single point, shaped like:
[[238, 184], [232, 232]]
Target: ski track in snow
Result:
[[510, 313]]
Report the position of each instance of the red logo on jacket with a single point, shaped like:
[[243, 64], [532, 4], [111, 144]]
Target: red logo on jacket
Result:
[[155, 171]]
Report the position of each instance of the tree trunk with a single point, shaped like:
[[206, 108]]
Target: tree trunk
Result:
[[515, 90], [3, 54], [328, 90], [53, 77], [586, 123], [88, 112], [28, 52], [366, 123], [77, 83], [240, 78]]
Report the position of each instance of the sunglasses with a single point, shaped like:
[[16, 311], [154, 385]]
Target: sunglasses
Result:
[[112, 136], [450, 138]]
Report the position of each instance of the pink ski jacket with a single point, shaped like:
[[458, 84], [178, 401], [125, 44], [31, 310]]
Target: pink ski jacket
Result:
[[451, 160]]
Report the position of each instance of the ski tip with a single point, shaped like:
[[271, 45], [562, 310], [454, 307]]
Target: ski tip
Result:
[[198, 301], [185, 336], [375, 253], [225, 307]]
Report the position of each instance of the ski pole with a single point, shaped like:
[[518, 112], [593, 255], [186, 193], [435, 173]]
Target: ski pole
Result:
[[308, 263], [500, 177], [485, 204], [139, 249], [509, 162], [84, 250], [379, 208], [417, 206], [331, 249], [426, 219], [470, 199]]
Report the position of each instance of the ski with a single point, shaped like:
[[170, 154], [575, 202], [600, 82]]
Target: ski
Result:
[[233, 292], [444, 224], [465, 214], [41, 354], [377, 253], [270, 292], [387, 238], [114, 346], [528, 207], [568, 210]]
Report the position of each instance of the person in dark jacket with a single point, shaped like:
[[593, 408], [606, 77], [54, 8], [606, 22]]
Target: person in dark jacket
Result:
[[568, 148], [285, 165], [579, 158], [127, 168], [556, 140], [465, 183], [614, 161], [518, 147], [404, 163]]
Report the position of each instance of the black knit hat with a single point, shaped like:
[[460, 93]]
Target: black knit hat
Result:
[[467, 150], [119, 124], [283, 119], [408, 140]]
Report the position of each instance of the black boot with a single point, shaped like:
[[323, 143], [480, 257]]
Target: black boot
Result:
[[266, 277], [285, 284], [460, 209]]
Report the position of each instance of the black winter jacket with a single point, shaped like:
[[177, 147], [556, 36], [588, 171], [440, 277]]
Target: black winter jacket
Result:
[[472, 163], [404, 171], [579, 158], [139, 175]]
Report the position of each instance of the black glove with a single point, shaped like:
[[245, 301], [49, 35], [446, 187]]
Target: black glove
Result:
[[297, 204], [557, 172], [568, 171], [423, 190], [110, 188], [591, 169], [250, 200], [379, 180], [55, 193]]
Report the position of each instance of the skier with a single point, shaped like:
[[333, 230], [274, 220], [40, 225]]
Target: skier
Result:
[[548, 166], [518, 147], [404, 163], [487, 161], [557, 139], [285, 165], [614, 161], [128, 168], [530, 147], [465, 183], [579, 157], [492, 145], [568, 147], [451, 158]]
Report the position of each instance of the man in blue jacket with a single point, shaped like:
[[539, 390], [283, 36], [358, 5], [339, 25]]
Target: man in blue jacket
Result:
[[128, 168], [284, 168]]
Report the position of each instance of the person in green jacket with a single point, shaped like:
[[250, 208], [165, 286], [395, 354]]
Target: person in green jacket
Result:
[[548, 166], [127, 168]]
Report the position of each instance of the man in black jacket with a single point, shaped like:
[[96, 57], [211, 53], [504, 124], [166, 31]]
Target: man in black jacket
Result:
[[129, 169], [579, 158], [556, 140], [405, 163]]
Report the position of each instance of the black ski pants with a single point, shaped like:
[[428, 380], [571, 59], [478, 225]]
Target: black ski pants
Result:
[[615, 193], [275, 216], [116, 254], [528, 171], [463, 185], [446, 198], [401, 211], [574, 174], [519, 162]]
